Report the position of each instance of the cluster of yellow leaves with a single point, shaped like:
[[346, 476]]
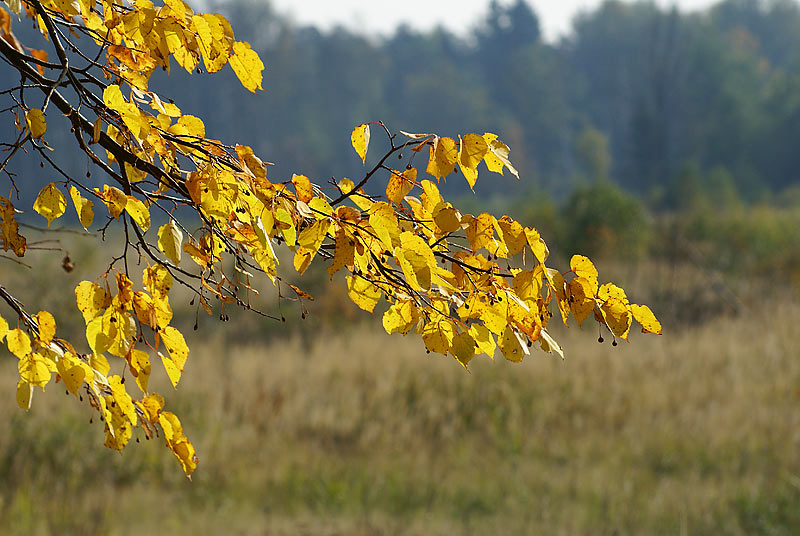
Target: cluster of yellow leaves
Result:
[[144, 37], [466, 303], [114, 324], [111, 328]]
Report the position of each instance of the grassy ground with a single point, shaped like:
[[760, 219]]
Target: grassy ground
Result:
[[694, 432]]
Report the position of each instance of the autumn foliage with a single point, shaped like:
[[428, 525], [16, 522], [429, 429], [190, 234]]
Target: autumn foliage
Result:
[[467, 284]]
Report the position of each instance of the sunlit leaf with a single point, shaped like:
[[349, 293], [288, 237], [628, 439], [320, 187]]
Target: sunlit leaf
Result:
[[443, 157], [34, 120], [24, 394], [18, 342], [50, 203], [583, 267], [400, 184], [363, 293], [510, 346], [176, 346], [47, 326], [83, 207], [170, 237], [138, 212], [92, 299], [359, 138], [646, 318], [34, 370], [247, 66], [463, 348]]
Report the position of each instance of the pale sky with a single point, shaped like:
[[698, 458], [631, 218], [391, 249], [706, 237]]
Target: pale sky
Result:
[[382, 16]]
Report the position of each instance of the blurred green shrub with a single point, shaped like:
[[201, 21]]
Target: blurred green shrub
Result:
[[600, 219]]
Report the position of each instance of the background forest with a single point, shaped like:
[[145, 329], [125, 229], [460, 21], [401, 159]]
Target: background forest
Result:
[[661, 143]]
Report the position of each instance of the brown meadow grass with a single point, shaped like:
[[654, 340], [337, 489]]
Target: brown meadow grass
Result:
[[340, 433]]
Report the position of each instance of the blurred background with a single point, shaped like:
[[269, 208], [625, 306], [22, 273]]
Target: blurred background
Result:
[[661, 140]]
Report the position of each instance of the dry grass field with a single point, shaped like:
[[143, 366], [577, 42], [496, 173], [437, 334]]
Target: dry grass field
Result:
[[357, 432]]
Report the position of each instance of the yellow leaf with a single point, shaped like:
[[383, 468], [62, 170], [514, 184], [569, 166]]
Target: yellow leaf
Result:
[[483, 339], [10, 229], [618, 317], [138, 212], [495, 315], [200, 257], [173, 372], [140, 368], [497, 156], [152, 405], [121, 328], [583, 267], [528, 284], [47, 326], [157, 280], [322, 209], [609, 290], [170, 237], [176, 346], [265, 258], [251, 162], [400, 184], [360, 140], [447, 219], [99, 363], [247, 66], [302, 186], [513, 235], [50, 203], [559, 286], [400, 317], [510, 346], [100, 334], [214, 46], [443, 156], [548, 344], [83, 207], [92, 299], [438, 334], [122, 398], [18, 343], [177, 441], [416, 260], [472, 149], [463, 348], [344, 250], [384, 222], [536, 244], [24, 394], [189, 126], [3, 328], [72, 373], [363, 293], [581, 298], [646, 318], [33, 369], [118, 428], [431, 197], [309, 242], [480, 233], [115, 199], [34, 120]]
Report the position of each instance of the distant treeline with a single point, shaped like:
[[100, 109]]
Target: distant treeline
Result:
[[649, 97]]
